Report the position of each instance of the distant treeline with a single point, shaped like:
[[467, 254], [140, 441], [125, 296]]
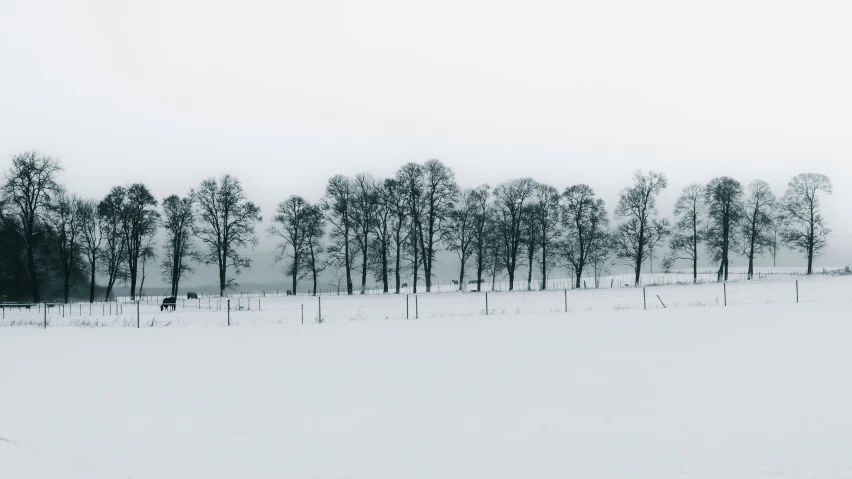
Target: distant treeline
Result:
[[53, 243]]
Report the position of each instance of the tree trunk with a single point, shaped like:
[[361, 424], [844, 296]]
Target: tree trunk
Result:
[[694, 250], [110, 284], [530, 257], [811, 245], [751, 258], [427, 270], [92, 284], [31, 269], [384, 268], [640, 255], [695, 268], [222, 271], [347, 260], [364, 270], [579, 270], [479, 268], [66, 287], [461, 274], [132, 285], [416, 264], [396, 267]]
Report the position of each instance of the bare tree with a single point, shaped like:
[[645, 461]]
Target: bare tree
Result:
[[410, 180], [637, 207], [178, 221], [460, 234], [64, 226], [805, 229], [394, 198], [29, 187], [337, 206], [147, 254], [226, 222], [530, 241], [363, 214], [439, 196], [510, 198], [110, 211], [724, 197], [290, 225], [383, 233], [775, 229], [314, 229], [689, 226], [545, 209], [92, 234], [586, 227], [139, 219], [495, 255], [756, 233], [599, 260], [660, 230], [481, 217]]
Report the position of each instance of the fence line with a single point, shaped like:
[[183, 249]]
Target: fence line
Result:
[[294, 309]]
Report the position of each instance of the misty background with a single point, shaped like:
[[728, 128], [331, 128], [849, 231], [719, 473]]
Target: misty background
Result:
[[283, 95]]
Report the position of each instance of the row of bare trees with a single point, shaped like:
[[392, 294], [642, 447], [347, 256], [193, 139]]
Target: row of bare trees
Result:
[[728, 218], [116, 236], [392, 229]]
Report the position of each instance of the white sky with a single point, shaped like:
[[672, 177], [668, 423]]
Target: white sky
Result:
[[284, 94]]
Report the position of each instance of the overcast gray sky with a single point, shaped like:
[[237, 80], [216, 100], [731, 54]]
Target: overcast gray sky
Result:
[[283, 94]]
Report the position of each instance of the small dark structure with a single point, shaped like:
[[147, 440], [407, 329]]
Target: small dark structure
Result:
[[404, 285], [455, 283], [191, 295], [170, 302]]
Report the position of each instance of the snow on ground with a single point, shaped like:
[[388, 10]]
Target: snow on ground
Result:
[[258, 309], [752, 391]]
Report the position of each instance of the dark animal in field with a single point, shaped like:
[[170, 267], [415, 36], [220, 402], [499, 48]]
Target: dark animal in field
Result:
[[289, 293], [404, 285], [455, 283], [170, 302], [191, 295]]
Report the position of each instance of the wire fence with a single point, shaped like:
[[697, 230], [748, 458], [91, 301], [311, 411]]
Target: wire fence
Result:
[[235, 311]]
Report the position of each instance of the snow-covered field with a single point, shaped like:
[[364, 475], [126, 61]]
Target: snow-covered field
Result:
[[259, 309], [753, 391]]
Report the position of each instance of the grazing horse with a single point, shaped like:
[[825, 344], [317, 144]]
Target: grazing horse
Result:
[[170, 302], [191, 295], [289, 293]]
